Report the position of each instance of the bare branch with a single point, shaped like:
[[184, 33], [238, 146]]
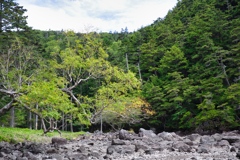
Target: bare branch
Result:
[[75, 98], [79, 81], [6, 107], [93, 117], [8, 92]]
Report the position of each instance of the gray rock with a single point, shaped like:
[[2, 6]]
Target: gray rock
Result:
[[107, 146], [121, 149], [217, 137], [140, 145], [203, 150], [206, 139], [59, 141], [188, 142], [29, 155], [57, 157], [194, 137], [110, 150], [146, 133], [238, 155], [77, 156], [165, 145], [181, 146], [36, 148], [22, 158], [166, 136], [149, 151], [231, 139], [223, 143], [2, 154], [236, 144], [124, 135], [81, 149], [118, 142], [52, 150], [95, 154]]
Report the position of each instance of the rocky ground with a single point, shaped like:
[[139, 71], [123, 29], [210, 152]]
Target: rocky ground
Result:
[[124, 145]]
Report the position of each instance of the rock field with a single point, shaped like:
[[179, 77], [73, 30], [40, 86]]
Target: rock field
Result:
[[124, 145]]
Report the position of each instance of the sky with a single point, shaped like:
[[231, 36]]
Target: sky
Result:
[[94, 15]]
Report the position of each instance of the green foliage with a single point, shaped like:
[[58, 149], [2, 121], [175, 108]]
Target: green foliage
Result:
[[118, 102], [15, 135], [198, 66], [185, 67], [50, 99]]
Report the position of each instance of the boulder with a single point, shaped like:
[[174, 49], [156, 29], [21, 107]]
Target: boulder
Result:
[[166, 136], [231, 139], [217, 137], [118, 142], [59, 141], [203, 149], [206, 139], [77, 156], [181, 146], [194, 137], [124, 135], [223, 143], [141, 146], [146, 133]]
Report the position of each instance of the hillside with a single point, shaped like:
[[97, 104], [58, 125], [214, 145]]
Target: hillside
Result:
[[179, 73]]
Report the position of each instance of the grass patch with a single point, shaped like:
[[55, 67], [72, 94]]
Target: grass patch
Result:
[[15, 135]]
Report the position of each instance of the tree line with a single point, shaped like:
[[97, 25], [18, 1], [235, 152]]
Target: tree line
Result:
[[179, 73]]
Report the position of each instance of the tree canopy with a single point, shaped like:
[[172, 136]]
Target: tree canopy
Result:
[[179, 73]]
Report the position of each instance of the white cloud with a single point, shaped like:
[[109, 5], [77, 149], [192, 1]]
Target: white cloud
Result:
[[106, 15]]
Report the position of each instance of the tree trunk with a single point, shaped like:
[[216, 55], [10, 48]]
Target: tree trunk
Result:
[[225, 74], [127, 62], [65, 126], [43, 125], [12, 120], [71, 124], [36, 119], [63, 122], [30, 120], [101, 124], [6, 108], [139, 71]]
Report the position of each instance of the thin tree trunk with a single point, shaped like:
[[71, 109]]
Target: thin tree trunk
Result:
[[139, 72], [127, 62], [225, 74], [71, 124], [101, 130], [12, 120], [63, 122], [36, 119], [6, 108], [43, 125], [30, 120], [66, 125]]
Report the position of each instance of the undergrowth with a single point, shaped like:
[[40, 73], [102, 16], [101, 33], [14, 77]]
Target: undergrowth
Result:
[[15, 135]]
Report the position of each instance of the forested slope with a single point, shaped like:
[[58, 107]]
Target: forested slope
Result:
[[181, 72], [189, 64]]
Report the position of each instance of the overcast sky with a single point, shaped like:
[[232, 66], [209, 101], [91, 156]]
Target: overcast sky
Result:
[[100, 15]]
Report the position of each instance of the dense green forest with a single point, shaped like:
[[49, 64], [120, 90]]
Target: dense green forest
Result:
[[180, 73]]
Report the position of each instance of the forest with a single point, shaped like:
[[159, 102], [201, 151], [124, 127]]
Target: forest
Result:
[[182, 72]]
